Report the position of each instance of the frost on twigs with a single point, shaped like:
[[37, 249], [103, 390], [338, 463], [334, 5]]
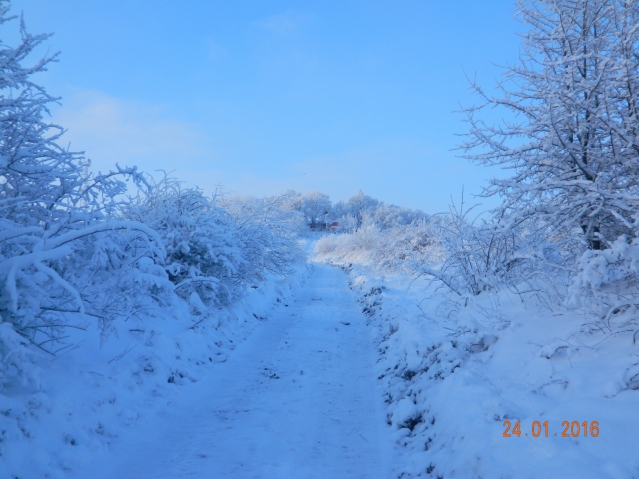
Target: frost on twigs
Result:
[[215, 247], [571, 143], [204, 260], [570, 146], [65, 254]]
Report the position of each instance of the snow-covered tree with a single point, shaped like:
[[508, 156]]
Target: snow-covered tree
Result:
[[388, 216], [59, 231], [316, 206], [360, 204], [572, 142]]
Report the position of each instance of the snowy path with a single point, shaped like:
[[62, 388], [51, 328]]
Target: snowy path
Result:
[[298, 399]]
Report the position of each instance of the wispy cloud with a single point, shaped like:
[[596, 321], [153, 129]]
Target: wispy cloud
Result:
[[113, 130]]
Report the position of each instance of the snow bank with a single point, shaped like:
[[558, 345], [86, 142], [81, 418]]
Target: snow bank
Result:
[[455, 371], [85, 399]]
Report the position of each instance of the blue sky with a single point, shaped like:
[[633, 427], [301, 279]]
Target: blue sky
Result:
[[260, 97]]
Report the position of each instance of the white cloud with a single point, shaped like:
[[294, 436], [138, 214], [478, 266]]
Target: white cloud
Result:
[[112, 130]]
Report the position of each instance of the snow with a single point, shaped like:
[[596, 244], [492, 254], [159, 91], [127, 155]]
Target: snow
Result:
[[452, 375], [78, 405], [356, 372], [298, 399], [171, 334]]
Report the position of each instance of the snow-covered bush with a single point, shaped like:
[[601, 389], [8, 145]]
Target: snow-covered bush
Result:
[[477, 257], [468, 257], [483, 255], [217, 247], [359, 245], [361, 208], [16, 358], [400, 248], [407, 247], [64, 253], [269, 230], [315, 206], [350, 215], [346, 224], [204, 249], [608, 280]]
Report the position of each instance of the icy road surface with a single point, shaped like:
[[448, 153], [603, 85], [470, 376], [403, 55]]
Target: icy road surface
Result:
[[298, 399]]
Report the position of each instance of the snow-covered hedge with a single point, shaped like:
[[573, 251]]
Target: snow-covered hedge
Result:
[[65, 255], [103, 296], [269, 229], [468, 258], [216, 247], [77, 254], [401, 247], [204, 258]]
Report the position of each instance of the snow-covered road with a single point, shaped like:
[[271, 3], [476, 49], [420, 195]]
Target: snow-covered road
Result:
[[298, 399]]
